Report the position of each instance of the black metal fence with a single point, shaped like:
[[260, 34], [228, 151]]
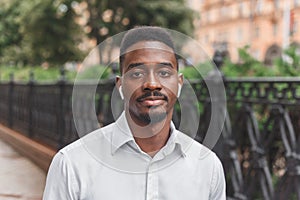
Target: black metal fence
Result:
[[260, 141], [43, 111], [259, 145]]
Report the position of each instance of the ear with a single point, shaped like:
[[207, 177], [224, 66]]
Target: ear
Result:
[[119, 86], [118, 81], [180, 84]]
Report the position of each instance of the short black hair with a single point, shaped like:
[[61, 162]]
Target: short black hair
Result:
[[145, 33]]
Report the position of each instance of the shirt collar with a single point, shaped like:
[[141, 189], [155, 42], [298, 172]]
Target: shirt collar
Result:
[[122, 134], [174, 139]]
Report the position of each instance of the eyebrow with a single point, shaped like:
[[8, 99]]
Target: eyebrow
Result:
[[166, 64], [133, 65]]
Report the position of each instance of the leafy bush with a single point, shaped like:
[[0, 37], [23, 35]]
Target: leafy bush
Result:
[[94, 73], [199, 71], [289, 64], [248, 66], [40, 74]]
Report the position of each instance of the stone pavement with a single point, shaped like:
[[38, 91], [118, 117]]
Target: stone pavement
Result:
[[20, 179]]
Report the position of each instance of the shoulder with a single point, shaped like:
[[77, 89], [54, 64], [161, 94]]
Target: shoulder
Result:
[[99, 135], [205, 160], [72, 166], [199, 155], [84, 149], [194, 149]]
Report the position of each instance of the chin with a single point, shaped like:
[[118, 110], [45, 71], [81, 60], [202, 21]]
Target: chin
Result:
[[152, 118], [149, 115]]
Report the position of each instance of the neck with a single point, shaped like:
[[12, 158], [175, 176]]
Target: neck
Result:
[[152, 137]]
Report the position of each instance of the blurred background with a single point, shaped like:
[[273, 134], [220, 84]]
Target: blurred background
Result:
[[45, 44]]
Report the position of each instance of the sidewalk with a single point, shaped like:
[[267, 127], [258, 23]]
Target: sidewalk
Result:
[[20, 179]]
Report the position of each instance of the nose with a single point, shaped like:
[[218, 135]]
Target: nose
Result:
[[152, 83]]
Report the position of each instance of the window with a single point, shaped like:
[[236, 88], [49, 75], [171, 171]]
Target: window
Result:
[[241, 8], [276, 2], [256, 32], [240, 34], [223, 11], [294, 27], [225, 36], [206, 38], [208, 16], [275, 29], [259, 6], [228, 11], [256, 54], [298, 50]]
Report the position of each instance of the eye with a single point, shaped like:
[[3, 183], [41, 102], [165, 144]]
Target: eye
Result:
[[164, 73], [136, 74]]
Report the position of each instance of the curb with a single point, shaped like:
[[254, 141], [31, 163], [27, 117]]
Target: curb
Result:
[[36, 152]]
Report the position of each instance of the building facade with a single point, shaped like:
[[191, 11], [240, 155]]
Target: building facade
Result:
[[267, 26]]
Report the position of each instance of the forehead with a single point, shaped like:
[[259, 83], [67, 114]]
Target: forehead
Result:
[[149, 52]]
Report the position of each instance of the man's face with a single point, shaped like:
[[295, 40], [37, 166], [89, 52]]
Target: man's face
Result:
[[149, 81]]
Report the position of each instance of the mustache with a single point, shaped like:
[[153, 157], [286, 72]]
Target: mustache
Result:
[[152, 94]]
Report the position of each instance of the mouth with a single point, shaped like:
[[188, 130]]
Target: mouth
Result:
[[152, 101]]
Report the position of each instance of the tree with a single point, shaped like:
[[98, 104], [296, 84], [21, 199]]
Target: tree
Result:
[[10, 38], [169, 14], [46, 32], [108, 18], [37, 31]]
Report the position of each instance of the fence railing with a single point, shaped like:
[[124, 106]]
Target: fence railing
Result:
[[260, 141], [259, 145]]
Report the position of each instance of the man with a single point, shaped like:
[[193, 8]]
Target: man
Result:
[[141, 155]]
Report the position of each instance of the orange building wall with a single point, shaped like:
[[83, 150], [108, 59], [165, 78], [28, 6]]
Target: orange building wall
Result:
[[237, 23]]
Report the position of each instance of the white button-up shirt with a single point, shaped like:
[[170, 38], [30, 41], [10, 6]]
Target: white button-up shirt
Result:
[[107, 164]]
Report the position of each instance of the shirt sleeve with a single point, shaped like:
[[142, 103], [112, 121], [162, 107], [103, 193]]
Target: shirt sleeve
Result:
[[60, 182], [218, 184]]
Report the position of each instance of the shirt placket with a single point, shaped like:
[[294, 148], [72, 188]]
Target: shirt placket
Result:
[[152, 182]]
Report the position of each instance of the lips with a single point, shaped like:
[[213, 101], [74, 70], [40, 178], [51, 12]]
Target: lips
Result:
[[152, 99]]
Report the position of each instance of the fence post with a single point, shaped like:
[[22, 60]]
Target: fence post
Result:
[[30, 103], [61, 107], [11, 98]]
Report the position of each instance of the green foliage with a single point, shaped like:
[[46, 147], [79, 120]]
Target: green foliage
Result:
[[289, 64], [10, 36], [190, 73], [39, 31], [248, 66], [111, 17], [94, 73], [40, 74], [53, 73], [197, 72], [169, 14]]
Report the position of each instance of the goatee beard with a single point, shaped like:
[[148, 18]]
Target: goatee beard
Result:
[[149, 118], [152, 118]]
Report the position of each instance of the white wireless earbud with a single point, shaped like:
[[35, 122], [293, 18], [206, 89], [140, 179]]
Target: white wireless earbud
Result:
[[179, 90], [121, 92]]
